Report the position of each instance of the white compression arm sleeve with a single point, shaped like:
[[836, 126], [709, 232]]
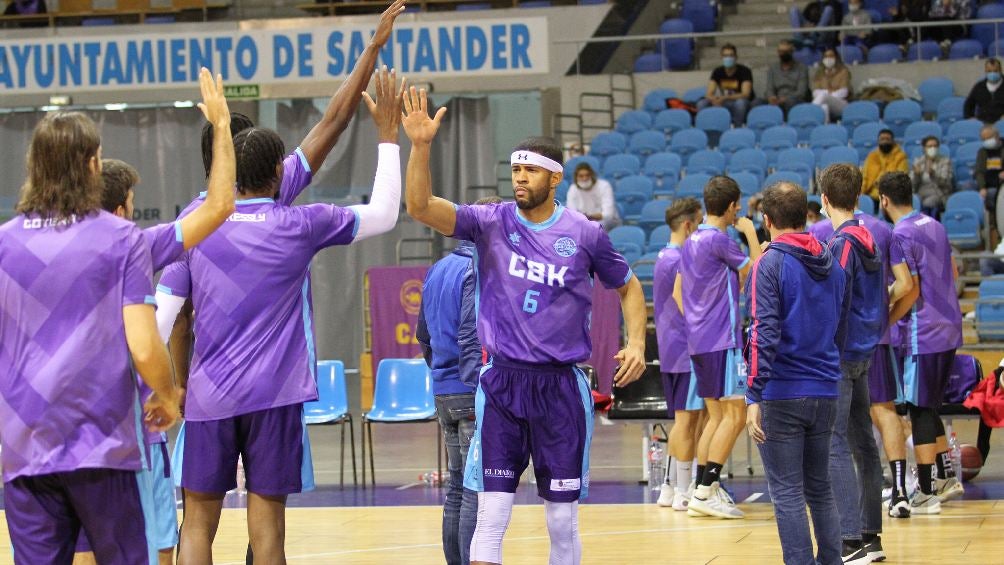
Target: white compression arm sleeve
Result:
[[380, 215], [168, 307]]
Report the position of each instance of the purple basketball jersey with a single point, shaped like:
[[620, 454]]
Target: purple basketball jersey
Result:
[[670, 325], [935, 321], [166, 244], [250, 286], [710, 269], [535, 281], [68, 395]]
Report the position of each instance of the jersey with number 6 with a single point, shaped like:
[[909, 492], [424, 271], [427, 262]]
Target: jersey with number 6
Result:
[[535, 281]]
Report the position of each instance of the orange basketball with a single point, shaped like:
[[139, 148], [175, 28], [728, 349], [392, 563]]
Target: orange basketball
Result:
[[972, 462]]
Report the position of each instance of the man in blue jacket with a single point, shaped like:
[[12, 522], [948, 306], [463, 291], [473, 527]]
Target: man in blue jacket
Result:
[[798, 306], [447, 332]]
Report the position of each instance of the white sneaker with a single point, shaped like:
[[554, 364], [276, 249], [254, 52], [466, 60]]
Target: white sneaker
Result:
[[899, 508], [700, 502], [681, 500], [925, 504], [948, 489], [666, 496], [718, 503], [728, 505]]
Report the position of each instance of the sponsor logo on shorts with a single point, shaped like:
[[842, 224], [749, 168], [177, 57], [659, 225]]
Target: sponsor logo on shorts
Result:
[[564, 485], [500, 473]]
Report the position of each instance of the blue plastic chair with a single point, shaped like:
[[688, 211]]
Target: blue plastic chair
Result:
[[851, 54], [692, 186], [762, 117], [988, 33], [648, 63], [749, 184], [644, 269], [678, 53], [804, 117], [561, 192], [707, 161], [965, 49], [692, 95], [963, 228], [776, 139], [866, 205], [628, 235], [629, 251], [964, 160], [784, 176], [753, 161], [807, 56], [608, 143], [633, 121], [655, 100], [933, 90], [926, 50], [332, 407], [671, 121], [966, 200], [713, 121], [701, 14], [900, 113], [835, 155], [917, 131], [735, 139], [865, 138], [402, 394], [687, 141], [825, 136], [658, 238], [885, 53], [798, 160], [950, 110], [593, 162], [662, 167], [621, 165], [859, 112], [990, 309], [653, 214], [645, 143], [632, 193]]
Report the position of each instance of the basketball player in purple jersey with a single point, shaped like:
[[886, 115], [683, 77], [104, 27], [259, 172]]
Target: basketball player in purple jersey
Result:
[[535, 266], [713, 269], [678, 379], [934, 331], [76, 316]]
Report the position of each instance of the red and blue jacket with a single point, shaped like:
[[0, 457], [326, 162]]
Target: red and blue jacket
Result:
[[798, 303], [854, 249]]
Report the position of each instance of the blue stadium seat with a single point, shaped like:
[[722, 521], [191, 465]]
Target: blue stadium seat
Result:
[[633, 121], [988, 33], [687, 141], [594, 163], [679, 53], [990, 309], [784, 176], [632, 193], [885, 53], [708, 161], [762, 117], [648, 63], [645, 271], [966, 200], [804, 117], [637, 184], [608, 143], [672, 121], [807, 56], [655, 100], [713, 121], [645, 143], [749, 184], [900, 113], [865, 138], [561, 192], [917, 131], [995, 49], [630, 251], [621, 165], [664, 170], [753, 161], [962, 132], [950, 110], [735, 139], [851, 54], [963, 228], [653, 214], [776, 139], [926, 50], [799, 160], [859, 112], [965, 49], [692, 185], [692, 95], [627, 235], [964, 160], [838, 155], [701, 14], [866, 204], [825, 136], [933, 90], [658, 238]]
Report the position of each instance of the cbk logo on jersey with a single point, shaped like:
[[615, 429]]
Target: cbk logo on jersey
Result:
[[544, 273]]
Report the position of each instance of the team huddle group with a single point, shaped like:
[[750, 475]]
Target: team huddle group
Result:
[[846, 319]]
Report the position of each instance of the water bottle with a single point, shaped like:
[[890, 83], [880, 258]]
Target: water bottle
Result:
[[241, 482], [955, 454], [431, 479], [656, 464]]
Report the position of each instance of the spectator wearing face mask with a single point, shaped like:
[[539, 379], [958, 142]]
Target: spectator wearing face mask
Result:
[[989, 167], [593, 197], [986, 100], [831, 86], [933, 179], [730, 86], [888, 157], [787, 80], [857, 16]]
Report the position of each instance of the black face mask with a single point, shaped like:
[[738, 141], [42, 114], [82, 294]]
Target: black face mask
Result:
[[885, 147], [786, 57]]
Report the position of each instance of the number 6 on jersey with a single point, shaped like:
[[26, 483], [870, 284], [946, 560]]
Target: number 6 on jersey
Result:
[[529, 304]]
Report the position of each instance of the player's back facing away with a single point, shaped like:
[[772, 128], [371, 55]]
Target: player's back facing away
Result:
[[69, 398], [670, 324], [530, 271], [710, 266], [250, 287]]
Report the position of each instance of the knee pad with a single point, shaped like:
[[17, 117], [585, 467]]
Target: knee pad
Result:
[[563, 529], [925, 425], [494, 511]]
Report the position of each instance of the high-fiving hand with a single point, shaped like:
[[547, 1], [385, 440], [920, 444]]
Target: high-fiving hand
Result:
[[386, 109], [417, 123], [387, 22], [214, 103]]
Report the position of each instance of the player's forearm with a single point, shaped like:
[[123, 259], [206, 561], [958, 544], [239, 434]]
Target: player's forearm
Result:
[[901, 308], [635, 313], [437, 213], [380, 215], [219, 202], [149, 356]]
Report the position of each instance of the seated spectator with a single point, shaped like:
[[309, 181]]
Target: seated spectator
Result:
[[25, 8], [787, 80], [817, 13], [857, 15], [831, 87], [948, 10], [986, 99], [989, 169], [755, 214], [990, 266], [593, 197], [905, 11], [888, 157], [731, 87], [933, 178], [813, 214]]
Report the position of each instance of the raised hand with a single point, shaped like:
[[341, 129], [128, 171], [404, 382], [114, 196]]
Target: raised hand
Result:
[[214, 103], [386, 110], [419, 127], [387, 22]]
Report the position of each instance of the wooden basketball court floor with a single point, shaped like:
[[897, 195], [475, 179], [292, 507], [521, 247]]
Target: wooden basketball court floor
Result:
[[399, 521]]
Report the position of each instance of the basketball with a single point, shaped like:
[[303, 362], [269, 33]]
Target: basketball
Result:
[[972, 462]]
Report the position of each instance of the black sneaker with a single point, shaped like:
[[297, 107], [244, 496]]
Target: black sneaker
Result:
[[854, 554], [874, 549]]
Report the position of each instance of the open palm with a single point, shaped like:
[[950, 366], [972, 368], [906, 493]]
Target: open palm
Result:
[[417, 123], [214, 103]]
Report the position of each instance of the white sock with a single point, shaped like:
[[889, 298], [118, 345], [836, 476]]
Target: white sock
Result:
[[563, 528], [683, 475], [494, 511]]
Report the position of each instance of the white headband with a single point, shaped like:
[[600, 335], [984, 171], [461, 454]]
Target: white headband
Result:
[[535, 159]]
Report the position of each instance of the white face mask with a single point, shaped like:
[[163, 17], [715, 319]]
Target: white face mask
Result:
[[585, 184], [829, 62], [931, 152]]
